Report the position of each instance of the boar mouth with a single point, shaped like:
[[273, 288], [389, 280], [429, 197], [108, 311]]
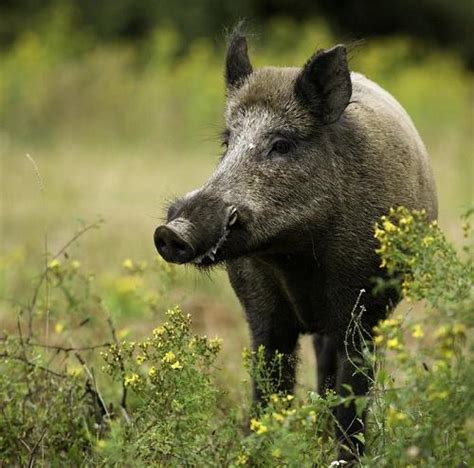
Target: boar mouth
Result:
[[181, 240], [209, 257]]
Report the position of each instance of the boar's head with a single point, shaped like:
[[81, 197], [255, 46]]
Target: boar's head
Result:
[[276, 186]]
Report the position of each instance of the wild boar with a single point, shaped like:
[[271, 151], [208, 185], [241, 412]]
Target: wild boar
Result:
[[313, 157]]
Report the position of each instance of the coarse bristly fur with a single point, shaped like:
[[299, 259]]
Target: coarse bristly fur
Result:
[[314, 156]]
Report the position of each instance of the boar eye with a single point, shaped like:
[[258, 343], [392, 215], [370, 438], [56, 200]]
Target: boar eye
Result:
[[281, 146]]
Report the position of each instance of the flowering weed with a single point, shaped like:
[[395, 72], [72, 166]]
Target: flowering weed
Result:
[[156, 400]]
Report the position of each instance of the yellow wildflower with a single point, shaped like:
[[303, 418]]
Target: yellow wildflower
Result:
[[127, 264], [379, 233], [152, 372], [216, 342], [140, 359], [131, 380], [393, 343], [389, 226], [390, 323], [442, 331], [378, 339], [278, 417], [262, 429], [54, 264], [448, 353], [169, 357], [427, 241], [417, 331], [58, 327], [406, 220], [176, 365], [127, 284], [242, 459], [274, 398], [159, 331], [289, 397], [254, 424], [75, 371], [394, 415]]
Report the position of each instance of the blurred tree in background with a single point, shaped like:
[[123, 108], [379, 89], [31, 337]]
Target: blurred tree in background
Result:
[[443, 22]]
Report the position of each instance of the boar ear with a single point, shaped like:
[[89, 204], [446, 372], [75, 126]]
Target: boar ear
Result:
[[324, 84], [237, 63]]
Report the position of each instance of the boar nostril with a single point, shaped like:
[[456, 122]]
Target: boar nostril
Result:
[[159, 243], [178, 246], [171, 246]]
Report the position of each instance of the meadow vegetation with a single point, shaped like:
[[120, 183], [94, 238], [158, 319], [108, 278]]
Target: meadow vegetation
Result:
[[98, 366], [75, 390]]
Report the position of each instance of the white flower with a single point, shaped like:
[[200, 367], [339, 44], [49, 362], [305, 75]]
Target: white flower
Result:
[[338, 463]]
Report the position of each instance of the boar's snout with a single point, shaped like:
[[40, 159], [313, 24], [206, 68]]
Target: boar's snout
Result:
[[172, 246], [196, 231]]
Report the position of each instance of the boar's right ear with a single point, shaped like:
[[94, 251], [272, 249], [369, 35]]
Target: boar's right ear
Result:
[[237, 63], [324, 84]]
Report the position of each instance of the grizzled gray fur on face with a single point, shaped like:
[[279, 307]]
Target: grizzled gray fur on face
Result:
[[314, 156]]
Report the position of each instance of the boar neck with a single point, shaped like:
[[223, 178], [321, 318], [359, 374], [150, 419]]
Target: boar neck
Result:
[[301, 279]]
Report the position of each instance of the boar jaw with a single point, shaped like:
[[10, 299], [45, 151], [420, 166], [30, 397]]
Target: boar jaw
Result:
[[211, 252]]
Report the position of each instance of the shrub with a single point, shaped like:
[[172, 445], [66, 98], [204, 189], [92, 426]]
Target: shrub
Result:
[[44, 414], [423, 416], [175, 416], [286, 432], [156, 400]]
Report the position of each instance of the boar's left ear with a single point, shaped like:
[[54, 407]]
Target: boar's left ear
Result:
[[237, 64], [324, 84]]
